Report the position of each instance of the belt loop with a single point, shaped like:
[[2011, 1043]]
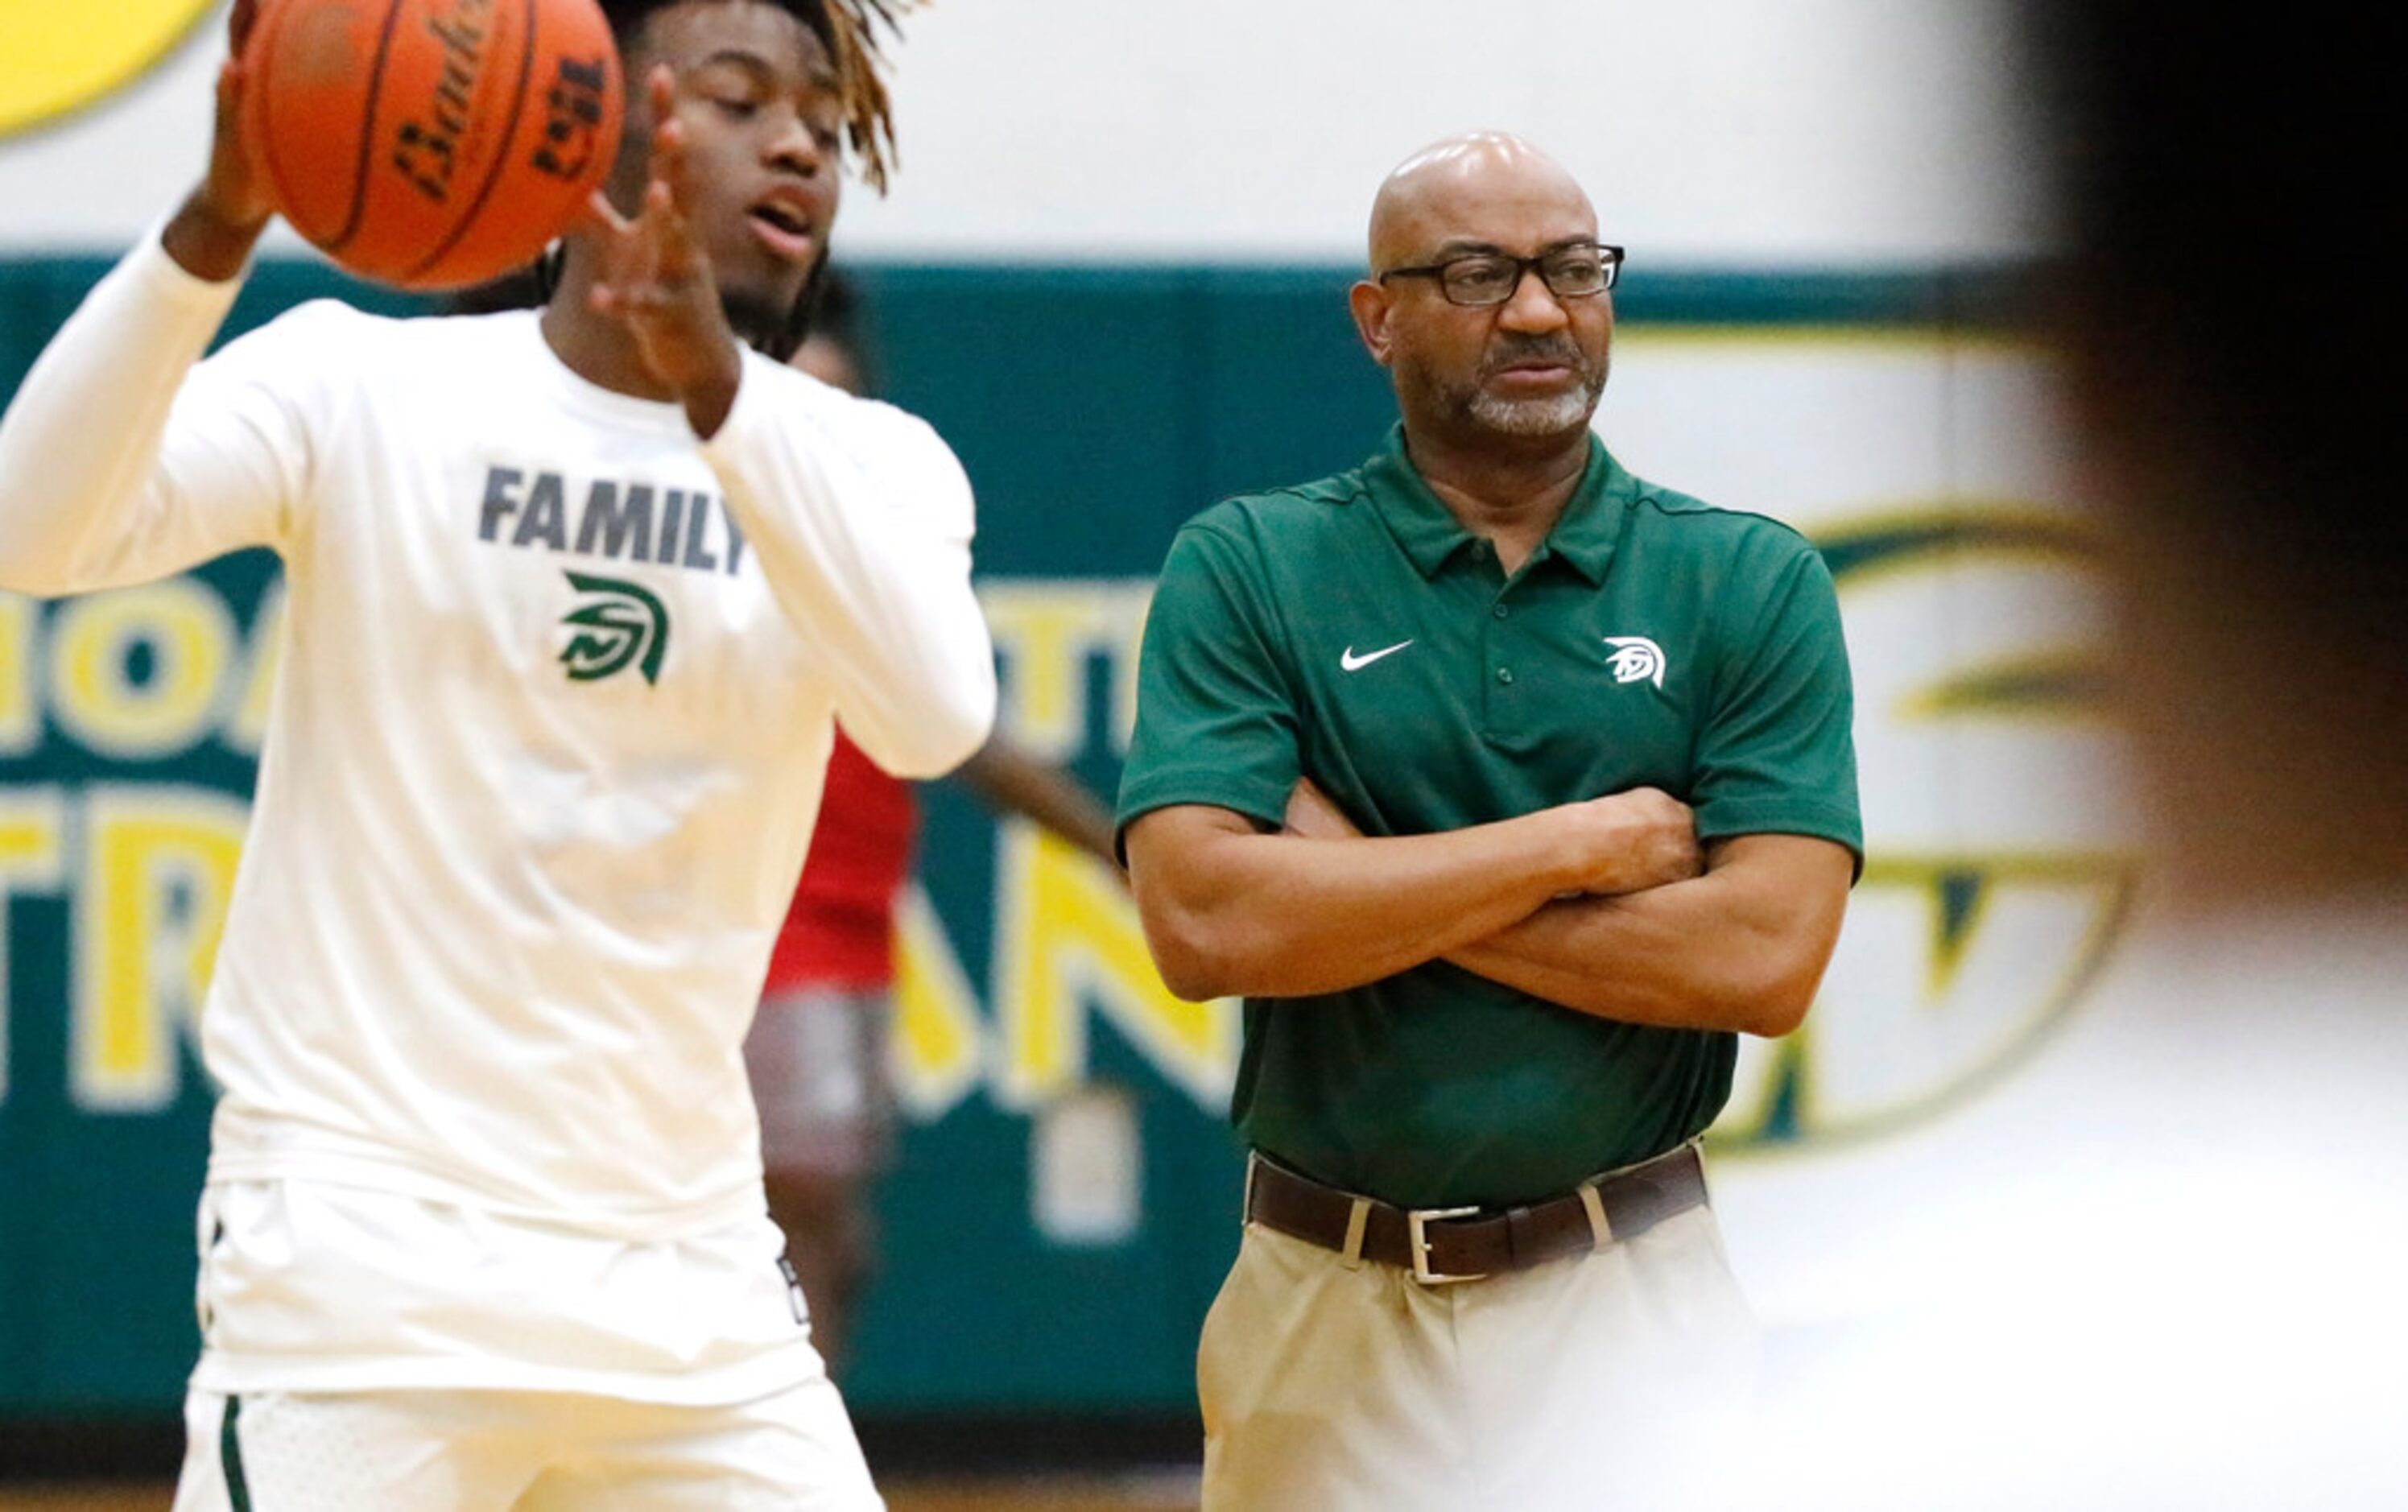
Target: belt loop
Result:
[[1246, 1202], [1601, 1233], [1358, 1218]]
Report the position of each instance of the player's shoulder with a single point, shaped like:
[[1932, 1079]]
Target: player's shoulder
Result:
[[325, 324], [380, 346], [865, 426]]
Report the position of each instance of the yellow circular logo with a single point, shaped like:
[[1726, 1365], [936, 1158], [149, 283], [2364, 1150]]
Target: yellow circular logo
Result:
[[56, 59]]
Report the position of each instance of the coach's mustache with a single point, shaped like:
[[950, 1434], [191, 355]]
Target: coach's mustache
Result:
[[1519, 349]]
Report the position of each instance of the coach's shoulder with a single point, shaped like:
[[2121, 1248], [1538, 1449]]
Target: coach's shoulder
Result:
[[1691, 523], [1283, 512]]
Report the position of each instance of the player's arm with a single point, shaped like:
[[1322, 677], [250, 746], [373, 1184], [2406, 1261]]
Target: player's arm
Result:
[[864, 538], [113, 467], [1228, 909], [1012, 778]]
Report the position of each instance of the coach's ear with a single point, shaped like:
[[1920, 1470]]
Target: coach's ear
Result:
[[1370, 301]]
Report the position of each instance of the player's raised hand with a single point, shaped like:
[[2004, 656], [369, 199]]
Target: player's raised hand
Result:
[[655, 279], [219, 223]]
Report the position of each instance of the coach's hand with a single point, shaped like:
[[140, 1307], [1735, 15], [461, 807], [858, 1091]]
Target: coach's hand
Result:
[[212, 232], [1644, 837], [655, 280]]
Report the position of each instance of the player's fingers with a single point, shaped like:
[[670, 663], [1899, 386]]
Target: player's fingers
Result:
[[238, 25], [598, 214], [674, 241], [660, 98], [669, 159], [659, 216]]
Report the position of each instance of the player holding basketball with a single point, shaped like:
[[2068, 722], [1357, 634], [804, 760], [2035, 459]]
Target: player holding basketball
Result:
[[576, 598], [1508, 788]]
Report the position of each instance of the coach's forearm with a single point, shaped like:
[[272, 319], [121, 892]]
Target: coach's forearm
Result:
[[1742, 948], [1231, 911]]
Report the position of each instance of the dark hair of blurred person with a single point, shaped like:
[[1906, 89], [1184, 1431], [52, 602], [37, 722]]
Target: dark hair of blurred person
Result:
[[2233, 323]]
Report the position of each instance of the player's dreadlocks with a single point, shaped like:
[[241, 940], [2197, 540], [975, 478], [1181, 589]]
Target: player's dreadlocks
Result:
[[849, 29]]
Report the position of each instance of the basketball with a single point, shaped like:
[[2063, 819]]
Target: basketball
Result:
[[430, 144]]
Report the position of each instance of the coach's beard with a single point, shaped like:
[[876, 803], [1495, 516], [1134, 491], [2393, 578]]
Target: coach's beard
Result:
[[1568, 410]]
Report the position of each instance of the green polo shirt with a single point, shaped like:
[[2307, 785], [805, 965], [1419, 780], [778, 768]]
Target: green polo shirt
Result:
[[1351, 631]]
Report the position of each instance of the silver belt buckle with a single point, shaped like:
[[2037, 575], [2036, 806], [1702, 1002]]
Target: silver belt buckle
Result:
[[1416, 1220]]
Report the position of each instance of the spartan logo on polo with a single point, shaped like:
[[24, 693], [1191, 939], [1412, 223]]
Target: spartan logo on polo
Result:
[[622, 625], [610, 518], [1636, 659]]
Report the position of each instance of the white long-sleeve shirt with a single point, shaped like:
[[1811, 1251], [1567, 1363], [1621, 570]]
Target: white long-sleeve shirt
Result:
[[547, 735]]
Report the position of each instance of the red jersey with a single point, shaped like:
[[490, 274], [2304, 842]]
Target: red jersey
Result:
[[840, 930]]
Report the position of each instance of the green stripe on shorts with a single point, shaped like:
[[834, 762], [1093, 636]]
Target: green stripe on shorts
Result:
[[230, 1457]]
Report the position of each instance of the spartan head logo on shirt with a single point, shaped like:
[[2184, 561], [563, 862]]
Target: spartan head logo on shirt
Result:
[[1636, 659], [620, 625]]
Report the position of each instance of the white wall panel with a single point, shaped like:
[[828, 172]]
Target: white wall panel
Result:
[[1744, 131]]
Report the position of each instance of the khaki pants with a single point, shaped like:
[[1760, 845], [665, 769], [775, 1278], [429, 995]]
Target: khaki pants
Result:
[[1622, 1380]]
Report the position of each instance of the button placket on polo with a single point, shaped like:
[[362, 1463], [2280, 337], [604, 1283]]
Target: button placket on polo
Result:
[[1503, 647]]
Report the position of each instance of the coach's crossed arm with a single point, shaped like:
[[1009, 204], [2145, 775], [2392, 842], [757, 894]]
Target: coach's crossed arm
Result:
[[1229, 910], [1741, 947]]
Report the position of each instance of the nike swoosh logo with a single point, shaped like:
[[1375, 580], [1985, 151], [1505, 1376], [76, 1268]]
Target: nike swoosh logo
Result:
[[1353, 663]]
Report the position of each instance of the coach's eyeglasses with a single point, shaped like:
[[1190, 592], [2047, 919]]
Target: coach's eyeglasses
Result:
[[1576, 271]]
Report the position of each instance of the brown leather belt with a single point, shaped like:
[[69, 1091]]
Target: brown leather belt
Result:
[[1464, 1243]]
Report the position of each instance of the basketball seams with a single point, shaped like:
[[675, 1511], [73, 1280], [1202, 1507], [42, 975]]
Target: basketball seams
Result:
[[368, 131], [502, 156], [439, 192]]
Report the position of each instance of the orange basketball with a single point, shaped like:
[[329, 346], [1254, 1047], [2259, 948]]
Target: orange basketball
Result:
[[430, 144]]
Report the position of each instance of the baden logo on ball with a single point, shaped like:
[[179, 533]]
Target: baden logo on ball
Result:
[[432, 144]]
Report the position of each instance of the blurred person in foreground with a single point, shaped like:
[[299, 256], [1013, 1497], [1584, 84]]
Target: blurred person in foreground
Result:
[[2234, 323], [2178, 1285], [1510, 790], [817, 1052]]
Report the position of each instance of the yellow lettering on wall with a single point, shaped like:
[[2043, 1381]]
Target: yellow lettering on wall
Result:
[[263, 654], [33, 830], [1067, 938], [158, 872], [1048, 630], [938, 1049], [21, 712], [185, 629]]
